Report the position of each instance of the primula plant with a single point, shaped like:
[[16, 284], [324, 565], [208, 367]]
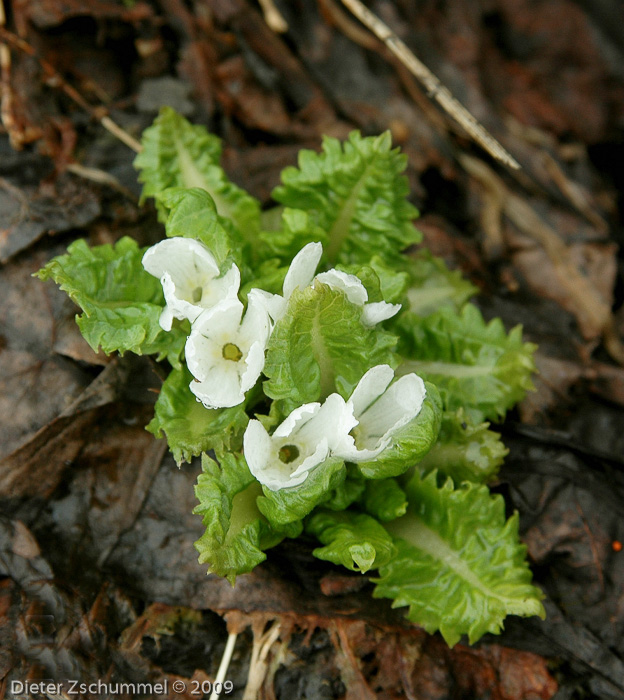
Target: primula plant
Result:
[[332, 384]]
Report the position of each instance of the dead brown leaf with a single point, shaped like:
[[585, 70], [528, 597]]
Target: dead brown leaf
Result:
[[36, 386], [27, 213], [567, 274]]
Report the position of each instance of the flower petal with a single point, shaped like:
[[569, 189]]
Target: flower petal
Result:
[[178, 307], [190, 278], [396, 407], [318, 456], [302, 268], [256, 325], [350, 285], [176, 255], [370, 387], [381, 408], [296, 419], [274, 304], [211, 330], [262, 455], [219, 288], [332, 422], [350, 453], [166, 318], [378, 311], [220, 389], [257, 446], [254, 364]]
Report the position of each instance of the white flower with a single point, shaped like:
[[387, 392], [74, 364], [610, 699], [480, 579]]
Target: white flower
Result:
[[381, 409], [300, 444], [356, 293], [299, 275], [225, 355], [190, 278]]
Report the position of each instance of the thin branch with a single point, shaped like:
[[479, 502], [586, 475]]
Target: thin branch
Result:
[[55, 79], [6, 101], [435, 88], [102, 178], [592, 312], [273, 17]]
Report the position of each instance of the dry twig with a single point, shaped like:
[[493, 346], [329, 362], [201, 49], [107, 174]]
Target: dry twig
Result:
[[273, 17], [6, 100], [55, 79], [592, 312], [435, 88]]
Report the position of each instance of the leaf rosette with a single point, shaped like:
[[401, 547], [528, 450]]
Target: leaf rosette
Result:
[[250, 318]]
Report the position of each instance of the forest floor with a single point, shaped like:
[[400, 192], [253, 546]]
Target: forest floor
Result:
[[98, 573]]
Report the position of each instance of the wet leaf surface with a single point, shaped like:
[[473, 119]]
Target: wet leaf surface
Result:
[[28, 213], [35, 385]]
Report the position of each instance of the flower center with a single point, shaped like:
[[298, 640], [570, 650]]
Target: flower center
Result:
[[231, 352], [355, 433], [288, 453], [197, 295]]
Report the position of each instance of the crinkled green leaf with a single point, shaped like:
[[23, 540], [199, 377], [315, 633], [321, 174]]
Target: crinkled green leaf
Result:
[[355, 191], [464, 451], [236, 533], [475, 365], [190, 427], [410, 443], [320, 346], [121, 302], [271, 219], [347, 493], [460, 566], [269, 276], [178, 154], [354, 540], [393, 282], [384, 499], [287, 506], [434, 286], [296, 230], [192, 214]]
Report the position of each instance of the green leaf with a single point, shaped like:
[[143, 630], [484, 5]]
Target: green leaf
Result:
[[190, 428], [464, 451], [177, 154], [475, 365], [236, 533], [354, 540], [269, 276], [392, 282], [121, 302], [356, 193], [460, 566], [296, 231], [384, 499], [347, 493], [434, 286], [192, 214], [410, 443], [288, 506], [321, 346]]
